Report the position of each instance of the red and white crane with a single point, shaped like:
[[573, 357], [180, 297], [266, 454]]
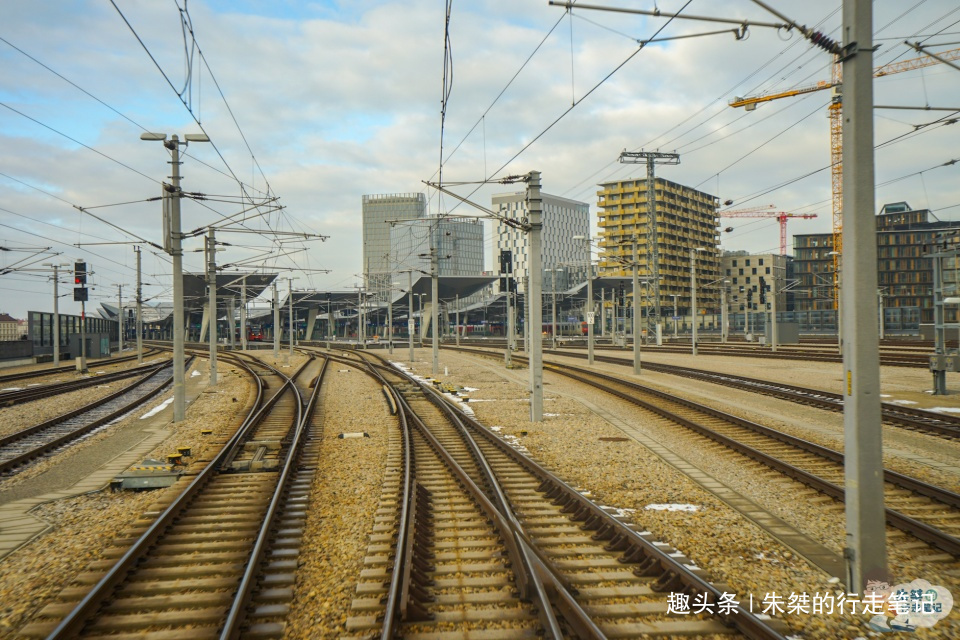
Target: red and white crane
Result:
[[765, 212]]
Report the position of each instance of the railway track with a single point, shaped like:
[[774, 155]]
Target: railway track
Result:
[[893, 357], [37, 373], [219, 559], [489, 544], [928, 422], [37, 392], [929, 513], [20, 448]]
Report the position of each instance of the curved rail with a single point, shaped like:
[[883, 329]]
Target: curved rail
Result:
[[38, 373], [72, 625]]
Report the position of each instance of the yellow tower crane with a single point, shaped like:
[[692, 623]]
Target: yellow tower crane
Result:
[[835, 112]]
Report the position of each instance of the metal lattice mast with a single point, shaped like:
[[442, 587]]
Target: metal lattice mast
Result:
[[652, 158]]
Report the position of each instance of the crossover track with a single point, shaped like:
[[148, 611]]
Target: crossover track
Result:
[[219, 560], [26, 445], [927, 422], [458, 570]]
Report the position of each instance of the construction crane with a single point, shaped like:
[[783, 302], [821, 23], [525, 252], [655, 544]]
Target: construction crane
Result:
[[835, 112], [765, 212]]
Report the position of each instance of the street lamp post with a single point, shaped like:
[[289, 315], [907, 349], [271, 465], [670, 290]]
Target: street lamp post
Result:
[[693, 296], [172, 245]]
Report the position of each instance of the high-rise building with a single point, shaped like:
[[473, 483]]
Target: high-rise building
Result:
[[563, 219], [379, 210], [686, 221], [904, 273], [458, 241]]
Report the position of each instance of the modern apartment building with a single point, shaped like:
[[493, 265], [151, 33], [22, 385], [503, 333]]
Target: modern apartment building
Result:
[[904, 274], [744, 272], [686, 225], [378, 212], [563, 219], [459, 244]]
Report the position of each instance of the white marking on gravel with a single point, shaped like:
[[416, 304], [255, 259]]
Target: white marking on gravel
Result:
[[157, 409], [194, 374]]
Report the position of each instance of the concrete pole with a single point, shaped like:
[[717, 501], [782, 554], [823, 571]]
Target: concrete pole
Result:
[[590, 313], [212, 304], [693, 299], [243, 313], [56, 315], [411, 323], [457, 327], [865, 548], [290, 322], [723, 312], [653, 252], [435, 306], [176, 250], [553, 322], [231, 310], [882, 328], [636, 310], [139, 325], [119, 319], [773, 311], [82, 365], [676, 317], [359, 313], [603, 312], [276, 320], [390, 317], [508, 354], [534, 205]]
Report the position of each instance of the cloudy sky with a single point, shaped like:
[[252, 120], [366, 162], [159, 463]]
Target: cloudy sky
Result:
[[318, 103]]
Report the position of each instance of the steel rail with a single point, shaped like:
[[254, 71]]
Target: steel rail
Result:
[[923, 531], [39, 373], [72, 624], [10, 398], [11, 463], [235, 616], [530, 579], [634, 546]]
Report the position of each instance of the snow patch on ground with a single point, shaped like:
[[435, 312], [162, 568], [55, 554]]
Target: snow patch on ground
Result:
[[946, 409], [672, 507], [902, 402], [157, 409]]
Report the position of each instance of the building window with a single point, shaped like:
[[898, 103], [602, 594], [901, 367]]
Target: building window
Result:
[[754, 271], [747, 262], [761, 263]]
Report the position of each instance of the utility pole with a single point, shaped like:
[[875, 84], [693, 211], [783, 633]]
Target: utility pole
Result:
[[276, 320], [390, 315], [882, 328], [56, 315], [243, 313], [456, 298], [173, 239], [653, 254], [693, 296], [290, 312], [411, 323], [865, 551], [553, 325], [119, 319], [534, 207], [139, 308], [636, 306], [230, 323], [435, 301], [589, 314], [508, 354], [212, 302], [773, 310], [723, 312]]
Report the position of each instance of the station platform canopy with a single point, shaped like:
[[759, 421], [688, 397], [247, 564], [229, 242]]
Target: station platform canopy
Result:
[[229, 285], [448, 288]]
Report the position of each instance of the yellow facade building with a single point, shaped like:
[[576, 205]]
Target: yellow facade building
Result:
[[686, 220]]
